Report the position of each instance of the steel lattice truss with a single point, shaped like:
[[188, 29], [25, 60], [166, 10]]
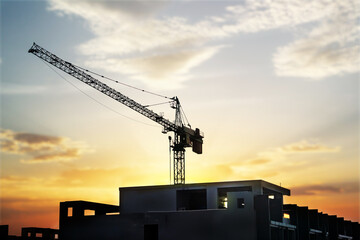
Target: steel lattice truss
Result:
[[93, 82]]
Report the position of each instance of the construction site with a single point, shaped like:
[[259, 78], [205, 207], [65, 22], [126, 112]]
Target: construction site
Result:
[[179, 120], [250, 210]]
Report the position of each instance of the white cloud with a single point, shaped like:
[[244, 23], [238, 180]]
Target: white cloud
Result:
[[330, 45], [255, 16], [169, 46], [331, 48], [133, 38], [307, 147], [279, 154], [164, 35], [166, 70], [130, 9]]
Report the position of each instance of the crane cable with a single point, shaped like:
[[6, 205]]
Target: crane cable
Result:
[[156, 104], [127, 85], [102, 104], [139, 89], [183, 112]]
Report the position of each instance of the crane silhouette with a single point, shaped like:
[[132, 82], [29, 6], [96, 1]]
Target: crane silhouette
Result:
[[183, 136]]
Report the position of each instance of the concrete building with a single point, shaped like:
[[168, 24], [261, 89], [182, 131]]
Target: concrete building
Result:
[[222, 210], [312, 224]]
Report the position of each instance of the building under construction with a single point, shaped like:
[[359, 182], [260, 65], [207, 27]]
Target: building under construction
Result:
[[221, 210], [249, 210]]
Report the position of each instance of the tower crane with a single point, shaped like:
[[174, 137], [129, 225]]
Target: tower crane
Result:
[[183, 136]]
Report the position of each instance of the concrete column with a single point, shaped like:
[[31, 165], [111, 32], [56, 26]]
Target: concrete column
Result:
[[212, 198], [262, 208]]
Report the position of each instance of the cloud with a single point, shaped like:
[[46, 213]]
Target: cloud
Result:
[[314, 189], [329, 49], [40, 148], [160, 69], [34, 139], [136, 40], [17, 179], [329, 45], [66, 154], [125, 9], [317, 189], [259, 161], [147, 48], [255, 16], [306, 147], [288, 158]]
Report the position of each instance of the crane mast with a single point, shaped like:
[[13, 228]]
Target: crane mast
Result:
[[183, 136]]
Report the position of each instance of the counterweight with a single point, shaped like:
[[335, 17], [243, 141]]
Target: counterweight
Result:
[[183, 136]]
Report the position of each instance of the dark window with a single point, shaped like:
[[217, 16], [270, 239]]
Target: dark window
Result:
[[191, 199], [151, 232], [240, 203]]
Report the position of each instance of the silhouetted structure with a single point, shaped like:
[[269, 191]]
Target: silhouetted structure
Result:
[[184, 136], [4, 233], [223, 210], [30, 233], [312, 224]]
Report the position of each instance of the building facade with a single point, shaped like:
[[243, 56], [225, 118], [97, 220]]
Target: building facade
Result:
[[251, 210]]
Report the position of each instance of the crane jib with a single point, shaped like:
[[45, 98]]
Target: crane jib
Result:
[[183, 136], [93, 82]]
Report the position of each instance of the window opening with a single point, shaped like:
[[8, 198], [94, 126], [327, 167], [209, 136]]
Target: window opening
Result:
[[89, 212], [240, 203], [70, 212], [286, 216], [222, 194], [223, 202], [112, 213], [193, 199]]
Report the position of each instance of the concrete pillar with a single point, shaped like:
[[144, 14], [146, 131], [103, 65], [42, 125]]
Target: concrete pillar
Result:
[[262, 208], [333, 228], [303, 224], [212, 198]]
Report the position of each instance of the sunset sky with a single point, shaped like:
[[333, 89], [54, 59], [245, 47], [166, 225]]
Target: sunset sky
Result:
[[274, 86]]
